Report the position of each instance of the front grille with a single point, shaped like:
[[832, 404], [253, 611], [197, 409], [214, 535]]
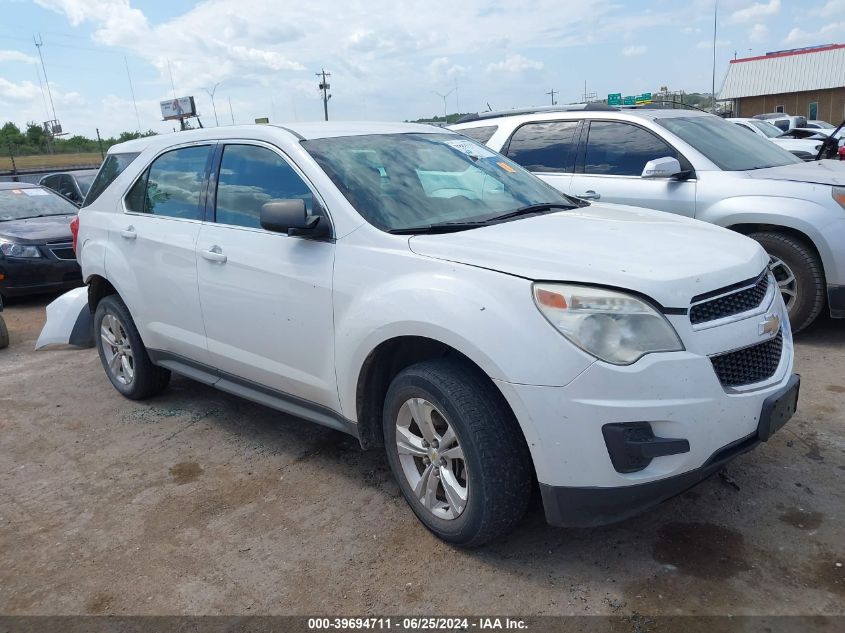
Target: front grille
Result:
[[750, 364], [728, 305]]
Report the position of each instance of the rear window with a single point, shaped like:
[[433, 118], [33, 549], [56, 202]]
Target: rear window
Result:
[[111, 168], [480, 134]]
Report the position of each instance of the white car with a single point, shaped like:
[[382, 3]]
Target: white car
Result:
[[412, 288], [803, 148], [784, 122]]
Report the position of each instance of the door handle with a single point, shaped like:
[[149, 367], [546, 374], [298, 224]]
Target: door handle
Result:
[[589, 195], [129, 233], [215, 254]]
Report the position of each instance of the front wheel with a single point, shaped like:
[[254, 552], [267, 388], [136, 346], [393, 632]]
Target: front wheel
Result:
[[4, 333], [799, 275], [457, 452]]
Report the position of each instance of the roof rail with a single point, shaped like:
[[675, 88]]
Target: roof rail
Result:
[[573, 107]]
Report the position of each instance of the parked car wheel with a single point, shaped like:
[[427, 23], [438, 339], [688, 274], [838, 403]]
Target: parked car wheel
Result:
[[123, 354], [4, 333], [457, 452], [799, 274]]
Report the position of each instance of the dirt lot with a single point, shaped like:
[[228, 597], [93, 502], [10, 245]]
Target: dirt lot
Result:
[[199, 503]]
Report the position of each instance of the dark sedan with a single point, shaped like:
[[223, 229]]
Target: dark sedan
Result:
[[36, 245], [73, 185]]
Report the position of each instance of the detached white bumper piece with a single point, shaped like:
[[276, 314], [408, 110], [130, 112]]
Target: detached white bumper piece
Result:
[[69, 321]]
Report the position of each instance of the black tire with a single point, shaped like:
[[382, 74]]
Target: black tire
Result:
[[4, 333], [148, 379], [810, 288], [496, 457]]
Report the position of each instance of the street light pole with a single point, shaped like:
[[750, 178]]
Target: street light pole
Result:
[[445, 107], [213, 107]]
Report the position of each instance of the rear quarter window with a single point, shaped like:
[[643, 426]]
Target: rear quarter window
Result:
[[111, 168], [480, 134]]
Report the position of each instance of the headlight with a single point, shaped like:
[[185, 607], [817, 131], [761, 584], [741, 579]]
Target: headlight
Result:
[[11, 249], [613, 326], [839, 195]]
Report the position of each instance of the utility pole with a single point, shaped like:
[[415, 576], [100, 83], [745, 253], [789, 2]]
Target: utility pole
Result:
[[713, 85], [552, 94], [38, 44], [231, 112], [100, 144], [324, 88], [213, 107], [445, 107]]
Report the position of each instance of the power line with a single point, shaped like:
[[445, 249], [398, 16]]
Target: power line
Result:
[[552, 93], [132, 92]]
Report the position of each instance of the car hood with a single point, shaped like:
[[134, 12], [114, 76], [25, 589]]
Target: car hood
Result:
[[666, 257], [53, 228], [820, 172]]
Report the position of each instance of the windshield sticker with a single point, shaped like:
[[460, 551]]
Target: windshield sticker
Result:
[[17, 191], [34, 192], [470, 149], [506, 167]]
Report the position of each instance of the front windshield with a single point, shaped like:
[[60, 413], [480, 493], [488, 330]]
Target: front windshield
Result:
[[772, 131], [84, 182], [402, 181], [823, 125], [728, 146], [31, 202]]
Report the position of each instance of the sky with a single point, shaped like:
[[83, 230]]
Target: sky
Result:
[[388, 60]]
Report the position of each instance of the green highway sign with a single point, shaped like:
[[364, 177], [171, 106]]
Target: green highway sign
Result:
[[629, 101], [643, 98], [614, 99]]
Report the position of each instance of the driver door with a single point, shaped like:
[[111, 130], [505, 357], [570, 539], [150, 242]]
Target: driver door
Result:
[[611, 165]]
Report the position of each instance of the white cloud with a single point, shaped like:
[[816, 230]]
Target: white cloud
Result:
[[824, 35], [758, 33], [514, 64], [756, 11], [18, 92], [709, 44], [17, 56], [442, 68], [633, 51], [830, 9]]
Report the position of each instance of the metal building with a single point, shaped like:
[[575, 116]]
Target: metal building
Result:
[[806, 82]]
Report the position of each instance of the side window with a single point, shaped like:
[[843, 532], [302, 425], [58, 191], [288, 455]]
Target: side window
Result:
[[251, 176], [621, 149], [783, 124], [479, 134], [51, 182], [545, 147], [67, 189], [172, 185]]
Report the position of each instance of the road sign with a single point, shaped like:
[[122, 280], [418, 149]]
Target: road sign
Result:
[[262, 119], [614, 99], [644, 98], [629, 101]]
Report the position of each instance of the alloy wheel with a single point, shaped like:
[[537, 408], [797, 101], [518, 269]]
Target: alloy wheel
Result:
[[785, 278], [431, 458], [117, 349]]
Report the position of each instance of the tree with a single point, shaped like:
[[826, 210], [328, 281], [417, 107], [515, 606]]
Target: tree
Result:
[[35, 134]]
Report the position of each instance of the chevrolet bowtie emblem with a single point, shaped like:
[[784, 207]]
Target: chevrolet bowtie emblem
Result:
[[770, 326]]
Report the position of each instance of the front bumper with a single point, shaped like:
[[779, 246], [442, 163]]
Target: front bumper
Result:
[[591, 506], [25, 276]]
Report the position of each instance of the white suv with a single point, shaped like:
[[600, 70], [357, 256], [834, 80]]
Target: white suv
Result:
[[410, 287]]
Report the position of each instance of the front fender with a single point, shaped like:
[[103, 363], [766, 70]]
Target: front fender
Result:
[[488, 317], [805, 216]]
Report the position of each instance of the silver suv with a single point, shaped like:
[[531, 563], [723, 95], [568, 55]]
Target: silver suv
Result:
[[693, 164]]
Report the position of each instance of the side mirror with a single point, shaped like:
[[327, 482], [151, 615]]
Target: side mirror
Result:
[[662, 168], [291, 217]]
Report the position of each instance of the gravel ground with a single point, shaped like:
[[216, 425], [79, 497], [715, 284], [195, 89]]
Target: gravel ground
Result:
[[196, 502]]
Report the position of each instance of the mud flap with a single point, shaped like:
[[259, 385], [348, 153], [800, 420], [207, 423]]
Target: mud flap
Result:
[[69, 321]]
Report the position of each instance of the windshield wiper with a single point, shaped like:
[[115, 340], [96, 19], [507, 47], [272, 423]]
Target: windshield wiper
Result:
[[442, 227], [530, 209]]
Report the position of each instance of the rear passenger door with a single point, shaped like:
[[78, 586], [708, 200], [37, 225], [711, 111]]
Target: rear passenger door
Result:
[[547, 149], [266, 297], [153, 254], [611, 163]]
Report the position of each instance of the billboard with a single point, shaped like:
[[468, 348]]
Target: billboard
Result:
[[178, 108]]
